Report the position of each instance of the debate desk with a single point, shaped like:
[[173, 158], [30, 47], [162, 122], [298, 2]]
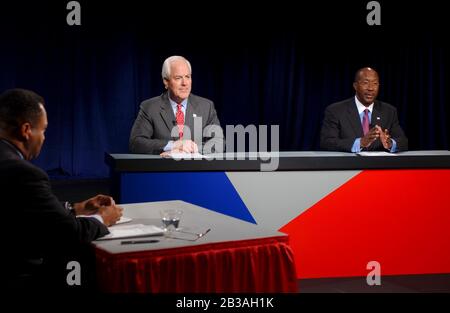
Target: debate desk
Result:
[[343, 212], [234, 256]]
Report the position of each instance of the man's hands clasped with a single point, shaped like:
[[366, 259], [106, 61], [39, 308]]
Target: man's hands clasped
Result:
[[182, 146], [375, 133], [105, 206]]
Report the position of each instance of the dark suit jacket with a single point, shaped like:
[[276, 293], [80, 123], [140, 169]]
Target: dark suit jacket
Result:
[[36, 228], [152, 129], [342, 125]]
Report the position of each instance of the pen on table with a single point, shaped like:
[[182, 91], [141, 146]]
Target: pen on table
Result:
[[207, 231], [132, 242]]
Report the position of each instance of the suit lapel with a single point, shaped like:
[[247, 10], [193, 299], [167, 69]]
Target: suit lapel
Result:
[[377, 115], [377, 119], [189, 118], [167, 112], [354, 119]]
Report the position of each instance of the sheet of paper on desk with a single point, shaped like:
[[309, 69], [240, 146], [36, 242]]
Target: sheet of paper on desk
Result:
[[124, 219], [375, 153], [186, 156], [131, 231]]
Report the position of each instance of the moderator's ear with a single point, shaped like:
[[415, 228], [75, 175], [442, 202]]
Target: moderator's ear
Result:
[[166, 83], [355, 85], [25, 130]]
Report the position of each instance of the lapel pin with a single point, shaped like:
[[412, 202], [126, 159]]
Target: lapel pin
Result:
[[194, 115]]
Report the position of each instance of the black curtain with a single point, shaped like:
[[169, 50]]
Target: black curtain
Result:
[[277, 63]]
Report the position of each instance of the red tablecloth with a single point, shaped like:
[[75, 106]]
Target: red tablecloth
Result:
[[262, 265]]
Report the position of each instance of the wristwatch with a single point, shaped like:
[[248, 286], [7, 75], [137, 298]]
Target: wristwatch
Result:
[[69, 207]]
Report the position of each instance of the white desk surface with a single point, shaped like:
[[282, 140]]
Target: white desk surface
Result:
[[195, 218]]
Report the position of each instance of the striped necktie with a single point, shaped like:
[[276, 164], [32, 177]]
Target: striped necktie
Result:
[[180, 120]]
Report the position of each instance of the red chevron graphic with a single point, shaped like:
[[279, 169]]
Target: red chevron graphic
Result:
[[399, 218]]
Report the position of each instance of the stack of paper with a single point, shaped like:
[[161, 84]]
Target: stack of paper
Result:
[[134, 230], [185, 156], [375, 153], [124, 219]]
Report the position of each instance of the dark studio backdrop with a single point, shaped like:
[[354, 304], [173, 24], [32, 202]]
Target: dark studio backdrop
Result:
[[277, 62]]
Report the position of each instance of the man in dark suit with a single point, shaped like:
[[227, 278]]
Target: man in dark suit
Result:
[[177, 120], [40, 234], [362, 123]]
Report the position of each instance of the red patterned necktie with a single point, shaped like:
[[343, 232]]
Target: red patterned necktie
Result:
[[180, 120], [365, 121]]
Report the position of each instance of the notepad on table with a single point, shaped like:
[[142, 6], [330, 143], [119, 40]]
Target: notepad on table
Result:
[[375, 153], [185, 156], [123, 219], [131, 231]]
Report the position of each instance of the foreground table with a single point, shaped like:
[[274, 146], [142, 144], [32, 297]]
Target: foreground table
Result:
[[394, 210], [235, 256]]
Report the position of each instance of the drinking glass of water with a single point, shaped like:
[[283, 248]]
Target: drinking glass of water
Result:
[[170, 218]]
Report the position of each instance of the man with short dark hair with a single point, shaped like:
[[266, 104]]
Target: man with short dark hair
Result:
[[39, 232], [362, 122]]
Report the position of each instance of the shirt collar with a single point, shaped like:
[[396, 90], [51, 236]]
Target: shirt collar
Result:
[[174, 104], [361, 107]]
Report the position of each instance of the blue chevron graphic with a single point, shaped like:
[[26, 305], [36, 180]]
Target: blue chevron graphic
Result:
[[211, 190]]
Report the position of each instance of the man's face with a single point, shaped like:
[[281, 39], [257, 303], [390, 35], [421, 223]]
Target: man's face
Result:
[[367, 86], [36, 136], [180, 82]]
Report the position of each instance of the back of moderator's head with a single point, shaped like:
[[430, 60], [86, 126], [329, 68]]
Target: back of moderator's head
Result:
[[18, 106]]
